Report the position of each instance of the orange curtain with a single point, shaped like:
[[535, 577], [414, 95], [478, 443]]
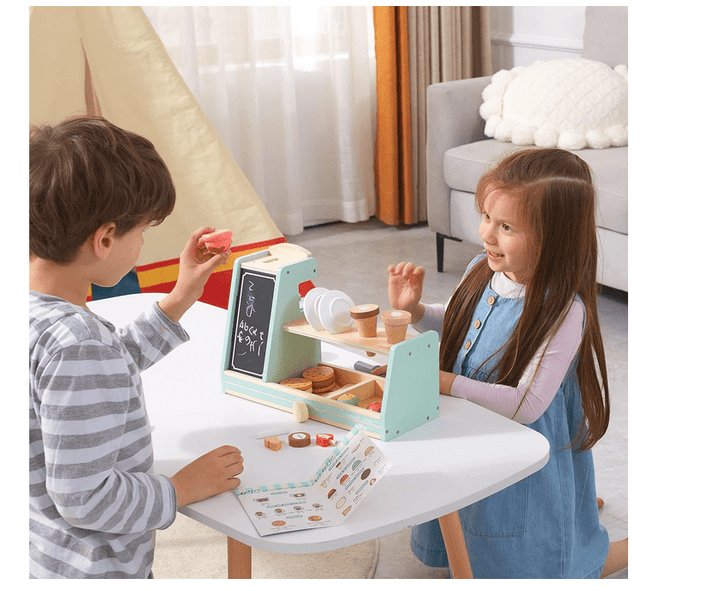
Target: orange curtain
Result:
[[393, 149]]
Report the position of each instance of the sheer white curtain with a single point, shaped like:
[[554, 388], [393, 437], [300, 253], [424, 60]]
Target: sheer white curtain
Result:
[[291, 91]]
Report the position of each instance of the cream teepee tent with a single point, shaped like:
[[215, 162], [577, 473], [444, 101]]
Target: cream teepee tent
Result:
[[108, 60]]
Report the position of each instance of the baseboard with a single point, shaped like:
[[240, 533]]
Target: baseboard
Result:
[[537, 42]]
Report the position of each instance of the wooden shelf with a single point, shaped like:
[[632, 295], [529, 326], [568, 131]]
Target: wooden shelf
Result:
[[350, 337]]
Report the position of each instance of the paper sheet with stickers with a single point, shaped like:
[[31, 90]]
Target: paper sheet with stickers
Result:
[[331, 496]]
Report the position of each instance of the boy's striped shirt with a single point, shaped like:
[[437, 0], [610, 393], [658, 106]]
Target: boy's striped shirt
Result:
[[94, 501]]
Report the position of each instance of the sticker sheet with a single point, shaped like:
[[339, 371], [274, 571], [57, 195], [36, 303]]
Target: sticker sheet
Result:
[[328, 498]]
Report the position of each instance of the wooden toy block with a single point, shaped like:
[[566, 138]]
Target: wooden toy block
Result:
[[273, 443], [297, 383]]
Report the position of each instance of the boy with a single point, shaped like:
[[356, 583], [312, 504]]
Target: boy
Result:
[[94, 500]]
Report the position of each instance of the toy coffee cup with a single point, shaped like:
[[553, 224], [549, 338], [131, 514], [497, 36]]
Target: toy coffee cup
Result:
[[396, 323], [365, 316]]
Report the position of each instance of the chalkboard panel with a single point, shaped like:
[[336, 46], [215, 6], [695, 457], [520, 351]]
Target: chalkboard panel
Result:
[[252, 322]]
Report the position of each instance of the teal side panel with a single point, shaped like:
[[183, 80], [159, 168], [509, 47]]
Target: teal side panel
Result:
[[412, 395], [234, 286], [289, 354]]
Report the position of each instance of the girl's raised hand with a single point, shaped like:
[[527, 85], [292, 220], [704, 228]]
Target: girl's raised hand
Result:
[[405, 282]]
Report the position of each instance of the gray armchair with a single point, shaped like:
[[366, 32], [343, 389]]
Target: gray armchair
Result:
[[458, 153]]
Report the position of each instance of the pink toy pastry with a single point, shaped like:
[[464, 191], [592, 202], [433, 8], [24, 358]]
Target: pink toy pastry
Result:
[[218, 241]]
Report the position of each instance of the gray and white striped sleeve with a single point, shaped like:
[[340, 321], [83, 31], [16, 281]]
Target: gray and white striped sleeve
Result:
[[151, 337], [97, 443]]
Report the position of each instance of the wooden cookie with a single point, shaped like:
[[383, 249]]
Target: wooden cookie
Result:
[[297, 383], [319, 373], [322, 378], [323, 389], [324, 384]]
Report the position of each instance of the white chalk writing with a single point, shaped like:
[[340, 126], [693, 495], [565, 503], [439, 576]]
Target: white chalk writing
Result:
[[250, 338], [250, 305]]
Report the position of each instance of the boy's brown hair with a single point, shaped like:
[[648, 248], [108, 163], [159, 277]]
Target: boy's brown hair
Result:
[[87, 172]]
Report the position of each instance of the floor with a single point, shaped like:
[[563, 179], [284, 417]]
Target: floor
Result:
[[354, 259]]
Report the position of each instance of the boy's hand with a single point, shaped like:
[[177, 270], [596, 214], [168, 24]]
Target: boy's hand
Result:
[[209, 475], [196, 266], [405, 282]]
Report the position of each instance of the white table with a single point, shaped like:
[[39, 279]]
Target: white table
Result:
[[465, 455]]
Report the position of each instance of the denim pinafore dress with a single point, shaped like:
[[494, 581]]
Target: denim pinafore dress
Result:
[[546, 525]]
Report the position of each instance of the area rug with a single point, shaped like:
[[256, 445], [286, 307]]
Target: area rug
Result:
[[191, 550]]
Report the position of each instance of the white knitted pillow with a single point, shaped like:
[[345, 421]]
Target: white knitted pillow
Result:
[[568, 103]]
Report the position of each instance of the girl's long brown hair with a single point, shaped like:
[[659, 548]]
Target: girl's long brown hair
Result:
[[556, 204]]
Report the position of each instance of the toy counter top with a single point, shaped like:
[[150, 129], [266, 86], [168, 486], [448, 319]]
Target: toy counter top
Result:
[[377, 344]]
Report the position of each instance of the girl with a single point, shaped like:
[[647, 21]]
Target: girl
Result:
[[520, 336]]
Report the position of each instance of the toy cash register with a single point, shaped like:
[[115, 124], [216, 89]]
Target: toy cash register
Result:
[[269, 345]]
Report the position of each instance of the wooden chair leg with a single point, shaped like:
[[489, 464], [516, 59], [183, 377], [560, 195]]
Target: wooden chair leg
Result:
[[440, 249], [239, 560], [455, 546]]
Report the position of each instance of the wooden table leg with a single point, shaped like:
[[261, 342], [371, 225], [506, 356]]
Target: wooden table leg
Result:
[[240, 555], [239, 560], [455, 546]]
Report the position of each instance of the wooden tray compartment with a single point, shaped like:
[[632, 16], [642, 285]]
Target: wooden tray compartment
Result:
[[367, 387]]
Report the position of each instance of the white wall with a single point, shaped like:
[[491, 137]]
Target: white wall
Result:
[[520, 35]]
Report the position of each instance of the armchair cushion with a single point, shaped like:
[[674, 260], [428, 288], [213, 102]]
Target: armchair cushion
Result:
[[464, 165], [569, 103]]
